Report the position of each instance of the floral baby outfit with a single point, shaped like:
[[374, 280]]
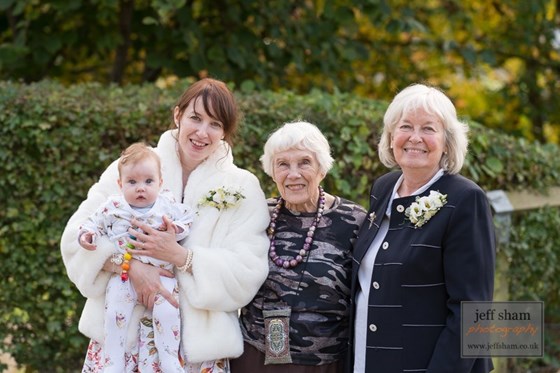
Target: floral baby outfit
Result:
[[159, 347]]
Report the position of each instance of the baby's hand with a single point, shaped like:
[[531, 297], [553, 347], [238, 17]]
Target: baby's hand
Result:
[[86, 241], [176, 228], [163, 226]]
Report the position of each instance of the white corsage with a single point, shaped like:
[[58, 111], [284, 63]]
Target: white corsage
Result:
[[221, 198], [424, 208]]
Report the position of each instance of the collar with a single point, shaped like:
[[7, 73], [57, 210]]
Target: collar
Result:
[[222, 158], [420, 190]]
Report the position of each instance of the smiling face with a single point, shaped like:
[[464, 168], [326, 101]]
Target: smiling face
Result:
[[297, 176], [199, 133], [140, 182], [418, 142]]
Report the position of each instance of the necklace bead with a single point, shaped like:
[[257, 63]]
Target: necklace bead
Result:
[[294, 261]]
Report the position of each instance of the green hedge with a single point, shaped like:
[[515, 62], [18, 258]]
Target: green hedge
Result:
[[56, 140]]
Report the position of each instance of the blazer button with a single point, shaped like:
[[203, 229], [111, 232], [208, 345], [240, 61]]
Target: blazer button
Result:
[[385, 245], [400, 208], [373, 327], [376, 285]]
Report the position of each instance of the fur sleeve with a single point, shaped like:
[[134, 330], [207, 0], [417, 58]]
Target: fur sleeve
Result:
[[83, 266]]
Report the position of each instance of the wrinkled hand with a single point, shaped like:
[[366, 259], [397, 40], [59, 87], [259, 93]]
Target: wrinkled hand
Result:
[[158, 244], [146, 282]]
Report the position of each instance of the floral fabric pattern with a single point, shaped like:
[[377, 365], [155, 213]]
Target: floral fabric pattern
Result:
[[94, 361]]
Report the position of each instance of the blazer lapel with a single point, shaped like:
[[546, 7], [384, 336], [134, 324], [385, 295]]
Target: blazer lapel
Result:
[[371, 225]]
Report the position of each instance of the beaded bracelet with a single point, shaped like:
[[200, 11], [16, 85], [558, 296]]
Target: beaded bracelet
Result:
[[117, 259], [188, 262]]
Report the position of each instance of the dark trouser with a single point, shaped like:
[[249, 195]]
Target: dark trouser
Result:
[[252, 361]]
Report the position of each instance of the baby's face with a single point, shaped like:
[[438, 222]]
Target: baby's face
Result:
[[140, 182]]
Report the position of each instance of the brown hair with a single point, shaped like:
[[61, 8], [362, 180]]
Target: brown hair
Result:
[[137, 152], [216, 93]]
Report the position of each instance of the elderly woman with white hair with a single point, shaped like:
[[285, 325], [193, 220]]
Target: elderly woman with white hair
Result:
[[299, 319], [428, 244]]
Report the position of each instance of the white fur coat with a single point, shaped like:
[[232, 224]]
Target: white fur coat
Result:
[[229, 246]]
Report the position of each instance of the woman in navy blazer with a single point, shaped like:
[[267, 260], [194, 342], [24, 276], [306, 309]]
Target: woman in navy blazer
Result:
[[429, 244]]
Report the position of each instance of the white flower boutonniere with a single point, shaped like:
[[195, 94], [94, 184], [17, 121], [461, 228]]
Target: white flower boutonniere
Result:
[[424, 208], [221, 198]]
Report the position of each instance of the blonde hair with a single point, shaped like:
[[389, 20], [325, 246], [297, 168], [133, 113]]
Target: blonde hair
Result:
[[137, 152], [435, 102]]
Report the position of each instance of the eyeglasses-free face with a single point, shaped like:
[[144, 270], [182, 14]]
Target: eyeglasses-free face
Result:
[[297, 176]]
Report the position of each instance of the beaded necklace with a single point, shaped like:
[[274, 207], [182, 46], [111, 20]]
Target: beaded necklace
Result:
[[291, 263]]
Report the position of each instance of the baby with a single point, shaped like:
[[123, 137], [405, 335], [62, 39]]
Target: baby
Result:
[[141, 198]]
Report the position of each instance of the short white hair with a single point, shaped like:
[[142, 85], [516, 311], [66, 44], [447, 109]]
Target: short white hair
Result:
[[297, 136], [435, 102]]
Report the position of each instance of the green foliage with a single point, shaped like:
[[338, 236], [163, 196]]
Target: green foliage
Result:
[[54, 144], [352, 125], [488, 54], [534, 268], [55, 141], [241, 40], [499, 59], [535, 277], [510, 163]]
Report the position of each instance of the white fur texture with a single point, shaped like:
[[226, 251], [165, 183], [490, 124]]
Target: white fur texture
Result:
[[229, 262]]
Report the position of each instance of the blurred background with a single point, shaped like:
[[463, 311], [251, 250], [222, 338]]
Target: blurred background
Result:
[[499, 58]]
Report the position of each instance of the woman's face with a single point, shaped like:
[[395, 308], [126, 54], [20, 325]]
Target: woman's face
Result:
[[418, 142], [297, 175], [199, 133]]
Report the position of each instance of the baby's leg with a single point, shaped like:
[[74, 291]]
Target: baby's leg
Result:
[[167, 328], [120, 299]]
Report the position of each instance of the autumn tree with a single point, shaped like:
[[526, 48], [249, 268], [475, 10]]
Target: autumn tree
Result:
[[497, 59]]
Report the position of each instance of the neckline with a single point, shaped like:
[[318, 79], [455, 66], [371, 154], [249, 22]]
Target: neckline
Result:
[[332, 207]]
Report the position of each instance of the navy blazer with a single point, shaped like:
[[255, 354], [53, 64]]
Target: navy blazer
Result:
[[421, 276]]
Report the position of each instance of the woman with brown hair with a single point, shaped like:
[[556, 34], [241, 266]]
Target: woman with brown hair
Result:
[[219, 266]]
